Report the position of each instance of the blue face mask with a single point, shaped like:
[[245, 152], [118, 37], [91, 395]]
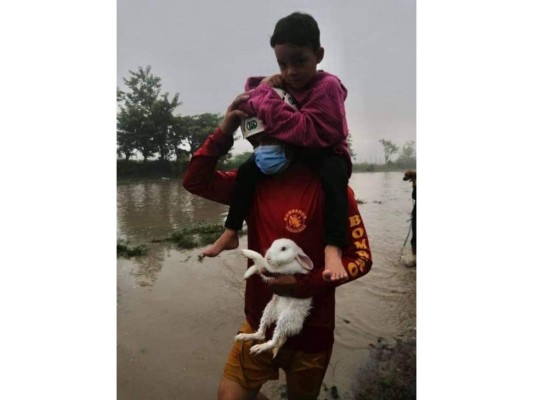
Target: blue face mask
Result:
[[271, 159]]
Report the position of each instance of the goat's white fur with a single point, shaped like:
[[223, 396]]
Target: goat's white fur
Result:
[[283, 257]]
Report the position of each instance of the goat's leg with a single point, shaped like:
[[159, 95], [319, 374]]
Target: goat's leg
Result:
[[253, 255], [273, 344], [251, 271], [289, 324], [269, 316]]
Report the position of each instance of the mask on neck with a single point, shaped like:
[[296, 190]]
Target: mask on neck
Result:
[[271, 159]]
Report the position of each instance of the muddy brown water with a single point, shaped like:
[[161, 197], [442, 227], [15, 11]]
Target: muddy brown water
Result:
[[176, 316]]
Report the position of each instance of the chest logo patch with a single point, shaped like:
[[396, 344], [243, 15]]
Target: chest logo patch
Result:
[[295, 220]]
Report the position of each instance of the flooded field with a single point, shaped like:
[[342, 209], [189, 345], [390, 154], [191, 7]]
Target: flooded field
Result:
[[177, 316]]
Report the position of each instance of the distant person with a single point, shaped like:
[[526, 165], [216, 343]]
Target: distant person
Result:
[[410, 176], [317, 128], [288, 205]]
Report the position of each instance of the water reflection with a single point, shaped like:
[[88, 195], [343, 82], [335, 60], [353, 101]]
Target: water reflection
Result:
[[151, 210], [147, 268]]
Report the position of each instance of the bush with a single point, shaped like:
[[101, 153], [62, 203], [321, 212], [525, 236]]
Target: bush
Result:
[[200, 234], [364, 167], [150, 168], [124, 249]]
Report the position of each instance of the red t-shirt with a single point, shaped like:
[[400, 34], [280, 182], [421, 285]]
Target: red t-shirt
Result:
[[289, 205]]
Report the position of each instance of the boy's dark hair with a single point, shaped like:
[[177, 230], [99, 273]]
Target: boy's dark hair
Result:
[[299, 29]]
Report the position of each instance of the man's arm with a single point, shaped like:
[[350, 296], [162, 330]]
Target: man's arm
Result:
[[356, 258], [201, 177]]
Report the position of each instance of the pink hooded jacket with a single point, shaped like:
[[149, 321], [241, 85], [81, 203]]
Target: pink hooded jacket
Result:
[[318, 123]]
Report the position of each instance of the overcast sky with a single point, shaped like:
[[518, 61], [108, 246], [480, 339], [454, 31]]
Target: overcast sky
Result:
[[204, 50]]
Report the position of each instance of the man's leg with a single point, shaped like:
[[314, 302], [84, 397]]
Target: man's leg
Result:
[[230, 390], [245, 373], [305, 373]]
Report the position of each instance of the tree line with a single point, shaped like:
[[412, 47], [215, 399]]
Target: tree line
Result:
[[405, 156], [148, 126], [147, 123]]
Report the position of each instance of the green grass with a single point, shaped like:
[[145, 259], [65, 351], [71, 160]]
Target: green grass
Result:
[[126, 250], [132, 170], [200, 234], [197, 235]]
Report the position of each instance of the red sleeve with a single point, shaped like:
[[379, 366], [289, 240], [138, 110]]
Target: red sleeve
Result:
[[356, 257], [319, 123], [201, 177]]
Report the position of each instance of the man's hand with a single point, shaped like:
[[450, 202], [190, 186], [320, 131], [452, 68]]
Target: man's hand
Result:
[[233, 116], [283, 285], [273, 81]]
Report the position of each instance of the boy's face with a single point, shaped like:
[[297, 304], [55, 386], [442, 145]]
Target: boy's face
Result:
[[297, 64]]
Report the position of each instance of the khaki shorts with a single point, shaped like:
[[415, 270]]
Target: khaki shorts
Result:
[[304, 371]]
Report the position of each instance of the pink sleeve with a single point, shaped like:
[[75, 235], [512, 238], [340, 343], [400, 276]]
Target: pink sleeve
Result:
[[319, 123]]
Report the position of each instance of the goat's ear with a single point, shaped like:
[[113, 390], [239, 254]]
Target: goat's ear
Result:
[[304, 260]]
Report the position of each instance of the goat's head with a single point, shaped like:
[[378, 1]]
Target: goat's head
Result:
[[283, 252]]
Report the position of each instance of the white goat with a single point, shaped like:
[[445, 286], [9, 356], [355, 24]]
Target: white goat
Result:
[[283, 257]]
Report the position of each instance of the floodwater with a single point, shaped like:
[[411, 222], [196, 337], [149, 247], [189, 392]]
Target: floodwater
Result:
[[177, 316]]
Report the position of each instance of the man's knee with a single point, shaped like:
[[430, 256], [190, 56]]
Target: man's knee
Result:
[[309, 389], [305, 376], [231, 390]]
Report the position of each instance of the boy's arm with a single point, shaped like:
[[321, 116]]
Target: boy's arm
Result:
[[356, 258], [319, 123]]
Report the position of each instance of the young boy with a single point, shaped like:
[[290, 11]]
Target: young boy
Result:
[[317, 130]]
